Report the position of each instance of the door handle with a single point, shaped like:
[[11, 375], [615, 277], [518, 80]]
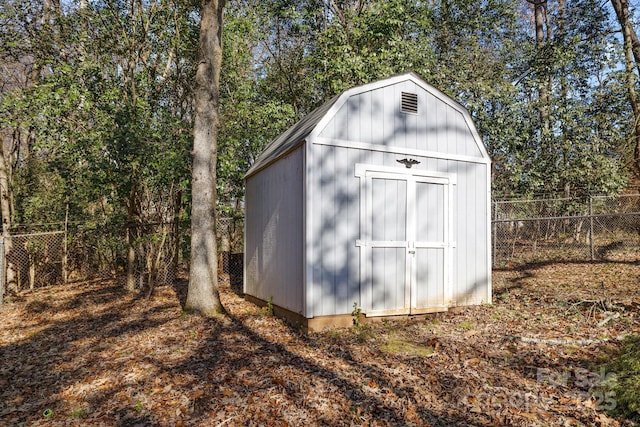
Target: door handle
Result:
[[412, 251]]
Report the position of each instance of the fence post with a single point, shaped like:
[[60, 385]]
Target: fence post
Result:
[[495, 233], [591, 244], [65, 271]]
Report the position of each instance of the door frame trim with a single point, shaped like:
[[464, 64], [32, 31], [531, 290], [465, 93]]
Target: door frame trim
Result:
[[362, 169], [366, 173]]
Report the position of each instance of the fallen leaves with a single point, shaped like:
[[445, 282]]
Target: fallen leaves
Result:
[[94, 355]]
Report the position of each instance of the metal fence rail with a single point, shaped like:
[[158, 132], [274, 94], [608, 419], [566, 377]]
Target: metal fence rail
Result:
[[575, 229]]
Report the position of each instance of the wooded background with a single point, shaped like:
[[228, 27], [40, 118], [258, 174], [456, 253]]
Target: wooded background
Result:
[[96, 97]]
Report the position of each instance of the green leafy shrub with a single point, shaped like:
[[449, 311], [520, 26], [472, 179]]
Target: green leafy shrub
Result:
[[357, 315], [625, 385], [270, 306]]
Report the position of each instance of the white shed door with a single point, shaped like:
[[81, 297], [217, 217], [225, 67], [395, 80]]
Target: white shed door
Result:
[[389, 261], [429, 265], [405, 242]]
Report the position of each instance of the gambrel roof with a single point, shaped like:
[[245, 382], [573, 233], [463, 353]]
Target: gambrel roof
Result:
[[302, 130]]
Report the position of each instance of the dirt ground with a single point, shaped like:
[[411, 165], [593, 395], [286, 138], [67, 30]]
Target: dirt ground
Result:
[[89, 354]]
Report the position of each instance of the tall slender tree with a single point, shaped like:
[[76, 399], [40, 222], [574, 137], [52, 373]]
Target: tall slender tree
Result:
[[631, 53], [543, 39], [202, 296]]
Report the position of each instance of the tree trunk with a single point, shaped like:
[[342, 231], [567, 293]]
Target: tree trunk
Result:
[[543, 65], [631, 52], [544, 83], [622, 12], [202, 296], [564, 98], [32, 268], [175, 260], [10, 280], [5, 198], [132, 219]]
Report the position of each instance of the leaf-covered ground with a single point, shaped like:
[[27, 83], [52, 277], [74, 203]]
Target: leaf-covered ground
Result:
[[89, 354]]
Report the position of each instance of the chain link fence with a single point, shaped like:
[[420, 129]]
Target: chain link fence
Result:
[[230, 234], [34, 259], [95, 251], [153, 259], [569, 229], [524, 231], [144, 255]]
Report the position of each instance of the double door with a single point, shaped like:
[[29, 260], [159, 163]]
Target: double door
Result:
[[405, 240]]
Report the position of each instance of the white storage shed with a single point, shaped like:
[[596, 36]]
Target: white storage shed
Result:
[[378, 198]]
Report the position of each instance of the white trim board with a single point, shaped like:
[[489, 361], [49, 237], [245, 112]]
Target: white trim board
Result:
[[400, 150], [361, 169]]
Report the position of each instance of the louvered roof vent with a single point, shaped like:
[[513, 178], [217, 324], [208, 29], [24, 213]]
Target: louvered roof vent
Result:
[[409, 103]]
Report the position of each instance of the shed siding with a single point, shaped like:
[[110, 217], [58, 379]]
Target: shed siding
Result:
[[334, 228], [374, 117], [471, 273], [274, 233], [334, 194]]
